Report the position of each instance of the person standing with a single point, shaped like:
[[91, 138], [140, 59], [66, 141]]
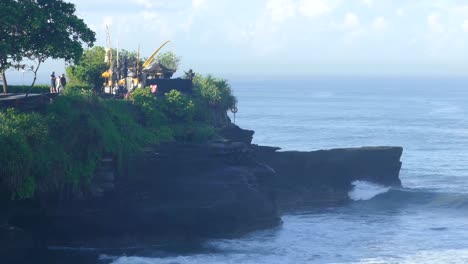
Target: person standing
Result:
[[58, 85], [63, 81], [53, 83]]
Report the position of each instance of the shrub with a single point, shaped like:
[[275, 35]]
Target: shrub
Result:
[[179, 107], [213, 97], [152, 108], [22, 137], [26, 88], [88, 127], [214, 92], [60, 147], [76, 89]]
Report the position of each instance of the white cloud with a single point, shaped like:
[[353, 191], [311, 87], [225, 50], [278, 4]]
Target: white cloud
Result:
[[158, 24], [351, 21], [354, 36], [281, 10], [400, 12], [413, 41], [465, 25], [149, 16], [314, 8], [259, 39], [440, 37], [380, 24], [145, 3], [106, 21], [198, 3], [368, 2], [433, 21], [351, 25]]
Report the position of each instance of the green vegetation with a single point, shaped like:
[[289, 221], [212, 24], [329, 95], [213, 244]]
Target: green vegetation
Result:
[[168, 60], [58, 149], [22, 138], [26, 88], [52, 31], [61, 147], [71, 87], [213, 91], [88, 71], [213, 97]]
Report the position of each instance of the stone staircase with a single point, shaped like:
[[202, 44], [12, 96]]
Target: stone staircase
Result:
[[103, 178]]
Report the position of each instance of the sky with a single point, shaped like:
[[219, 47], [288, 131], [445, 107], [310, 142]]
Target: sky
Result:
[[287, 38]]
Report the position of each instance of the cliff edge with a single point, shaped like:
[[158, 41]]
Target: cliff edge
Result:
[[180, 192], [325, 177]]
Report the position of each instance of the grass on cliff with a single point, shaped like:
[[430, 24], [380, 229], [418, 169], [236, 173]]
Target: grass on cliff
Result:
[[59, 148], [39, 89]]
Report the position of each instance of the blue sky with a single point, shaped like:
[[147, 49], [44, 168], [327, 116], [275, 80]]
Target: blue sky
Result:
[[291, 37]]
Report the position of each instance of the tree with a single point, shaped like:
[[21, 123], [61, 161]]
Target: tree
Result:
[[52, 31], [214, 92], [10, 32], [168, 60], [89, 69]]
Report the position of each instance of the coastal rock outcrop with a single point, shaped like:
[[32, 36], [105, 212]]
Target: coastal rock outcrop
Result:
[[234, 133], [180, 192], [325, 176], [171, 192]]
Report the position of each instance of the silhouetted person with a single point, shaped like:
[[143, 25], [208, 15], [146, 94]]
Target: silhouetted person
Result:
[[63, 81], [52, 83]]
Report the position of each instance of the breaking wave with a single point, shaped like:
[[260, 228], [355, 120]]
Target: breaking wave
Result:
[[363, 190], [374, 195]]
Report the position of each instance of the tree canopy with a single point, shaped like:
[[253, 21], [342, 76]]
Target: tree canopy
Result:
[[41, 29], [10, 48], [168, 60], [89, 69], [213, 91]]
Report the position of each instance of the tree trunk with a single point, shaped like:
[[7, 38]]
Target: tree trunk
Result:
[[35, 77], [34, 80], [5, 84]]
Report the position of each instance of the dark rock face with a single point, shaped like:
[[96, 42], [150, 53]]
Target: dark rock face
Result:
[[234, 133], [171, 192], [326, 176], [180, 192], [14, 244]]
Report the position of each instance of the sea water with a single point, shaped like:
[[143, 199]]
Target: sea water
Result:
[[426, 221]]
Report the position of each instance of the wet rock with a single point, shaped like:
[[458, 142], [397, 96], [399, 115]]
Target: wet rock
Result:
[[325, 176]]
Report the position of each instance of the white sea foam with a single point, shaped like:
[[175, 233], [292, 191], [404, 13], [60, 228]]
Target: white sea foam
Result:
[[363, 190], [429, 257]]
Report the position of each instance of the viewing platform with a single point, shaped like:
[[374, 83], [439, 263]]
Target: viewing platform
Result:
[[23, 102]]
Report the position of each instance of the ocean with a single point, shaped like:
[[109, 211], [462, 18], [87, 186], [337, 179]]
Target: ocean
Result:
[[426, 221]]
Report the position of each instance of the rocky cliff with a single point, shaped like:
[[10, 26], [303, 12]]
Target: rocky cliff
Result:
[[192, 191], [168, 192], [325, 177]]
